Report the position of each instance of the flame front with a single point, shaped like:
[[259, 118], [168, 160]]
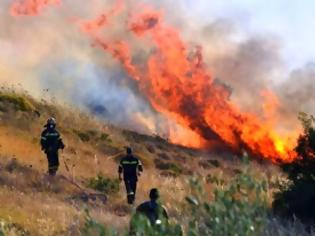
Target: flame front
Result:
[[178, 84], [31, 7]]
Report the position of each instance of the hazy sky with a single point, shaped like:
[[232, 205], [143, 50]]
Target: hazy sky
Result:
[[292, 21]]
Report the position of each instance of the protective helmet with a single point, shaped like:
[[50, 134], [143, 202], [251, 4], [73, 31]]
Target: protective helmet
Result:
[[128, 150], [51, 122]]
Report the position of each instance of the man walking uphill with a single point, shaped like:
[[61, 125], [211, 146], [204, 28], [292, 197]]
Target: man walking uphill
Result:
[[131, 168], [51, 142]]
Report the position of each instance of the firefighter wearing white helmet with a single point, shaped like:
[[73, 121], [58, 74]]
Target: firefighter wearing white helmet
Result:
[[51, 142]]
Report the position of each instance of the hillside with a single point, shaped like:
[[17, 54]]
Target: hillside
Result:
[[34, 204]]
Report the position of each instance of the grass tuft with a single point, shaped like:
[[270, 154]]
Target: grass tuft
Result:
[[19, 103], [104, 184]]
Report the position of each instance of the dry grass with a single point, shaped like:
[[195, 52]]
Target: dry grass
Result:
[[41, 206]]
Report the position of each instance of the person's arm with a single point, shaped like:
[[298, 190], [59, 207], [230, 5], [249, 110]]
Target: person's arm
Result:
[[140, 209], [165, 213], [140, 168], [61, 144], [43, 140], [120, 170]]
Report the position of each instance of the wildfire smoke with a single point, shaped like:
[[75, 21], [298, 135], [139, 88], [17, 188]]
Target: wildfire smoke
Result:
[[174, 77]]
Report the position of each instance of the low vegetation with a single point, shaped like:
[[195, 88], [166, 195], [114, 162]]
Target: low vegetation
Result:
[[296, 196], [104, 184], [224, 196], [17, 102], [83, 136], [170, 167], [238, 208]]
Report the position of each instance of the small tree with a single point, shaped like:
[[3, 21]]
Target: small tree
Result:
[[297, 197]]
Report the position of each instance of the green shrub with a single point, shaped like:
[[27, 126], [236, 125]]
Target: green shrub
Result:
[[92, 227], [215, 163], [140, 226], [87, 136], [104, 137], [212, 179], [168, 166], [239, 208], [84, 137], [296, 196], [104, 184], [18, 102], [12, 229]]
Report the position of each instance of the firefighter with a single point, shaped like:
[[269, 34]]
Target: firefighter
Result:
[[131, 168], [51, 142], [152, 210]]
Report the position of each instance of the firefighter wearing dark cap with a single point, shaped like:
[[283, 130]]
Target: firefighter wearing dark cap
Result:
[[51, 142], [131, 168], [153, 210]]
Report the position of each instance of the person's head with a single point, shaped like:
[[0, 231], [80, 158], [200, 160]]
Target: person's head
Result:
[[51, 123], [128, 151], [154, 194]]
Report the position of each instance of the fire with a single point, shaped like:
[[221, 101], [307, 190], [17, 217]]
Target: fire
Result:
[[186, 137], [102, 20], [31, 7], [270, 105], [178, 84], [280, 146]]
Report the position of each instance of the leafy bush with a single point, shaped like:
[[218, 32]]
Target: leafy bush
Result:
[[140, 226], [213, 179], [104, 184], [84, 137], [238, 208], [18, 102], [11, 229], [296, 197], [168, 166], [104, 137], [92, 227]]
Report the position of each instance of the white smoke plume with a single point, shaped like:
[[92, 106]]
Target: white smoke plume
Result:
[[49, 51]]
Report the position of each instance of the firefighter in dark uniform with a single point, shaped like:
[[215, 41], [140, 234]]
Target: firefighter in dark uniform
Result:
[[51, 142], [153, 210], [131, 168]]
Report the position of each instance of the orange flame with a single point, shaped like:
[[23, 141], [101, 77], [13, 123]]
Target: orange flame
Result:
[[102, 20], [31, 7], [177, 83]]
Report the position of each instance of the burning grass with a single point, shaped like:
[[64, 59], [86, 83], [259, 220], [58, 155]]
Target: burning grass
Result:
[[40, 206]]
